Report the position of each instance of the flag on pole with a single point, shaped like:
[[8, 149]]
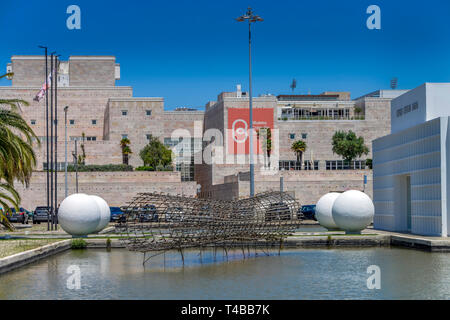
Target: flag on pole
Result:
[[44, 88]]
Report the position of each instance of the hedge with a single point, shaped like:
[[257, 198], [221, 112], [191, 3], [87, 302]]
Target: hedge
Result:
[[102, 168]]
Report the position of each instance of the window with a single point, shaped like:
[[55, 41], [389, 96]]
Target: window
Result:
[[291, 135], [124, 136], [407, 109], [304, 135], [55, 122], [309, 165], [148, 136], [148, 112], [290, 165], [71, 121], [124, 112], [345, 165], [415, 106], [91, 138], [33, 122], [60, 166], [94, 121], [399, 112]]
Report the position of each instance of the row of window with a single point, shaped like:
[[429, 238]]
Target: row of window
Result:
[[329, 165], [303, 135], [147, 112], [407, 109], [73, 138], [71, 121], [301, 114]]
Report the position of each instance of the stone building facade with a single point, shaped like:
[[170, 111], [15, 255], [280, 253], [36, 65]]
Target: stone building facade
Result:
[[100, 114], [311, 118]]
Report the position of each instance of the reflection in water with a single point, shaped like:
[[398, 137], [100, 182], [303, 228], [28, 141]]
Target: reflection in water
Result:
[[296, 274]]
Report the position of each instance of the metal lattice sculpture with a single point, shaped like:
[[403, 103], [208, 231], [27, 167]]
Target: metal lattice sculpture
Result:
[[160, 222]]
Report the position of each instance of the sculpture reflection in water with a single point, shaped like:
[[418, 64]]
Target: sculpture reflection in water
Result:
[[154, 223]]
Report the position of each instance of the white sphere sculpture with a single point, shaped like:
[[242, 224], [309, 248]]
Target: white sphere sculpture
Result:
[[105, 213], [353, 211], [79, 214], [323, 210]]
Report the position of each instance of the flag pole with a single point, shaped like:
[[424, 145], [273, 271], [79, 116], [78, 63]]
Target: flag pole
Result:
[[56, 141], [51, 139], [46, 141]]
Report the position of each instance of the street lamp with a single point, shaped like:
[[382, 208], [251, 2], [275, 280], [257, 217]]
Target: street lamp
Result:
[[250, 17], [65, 147]]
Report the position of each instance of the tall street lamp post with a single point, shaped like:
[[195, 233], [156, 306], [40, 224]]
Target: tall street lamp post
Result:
[[65, 151], [250, 17]]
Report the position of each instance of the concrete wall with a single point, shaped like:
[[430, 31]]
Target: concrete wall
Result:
[[307, 187], [419, 152], [433, 101], [117, 188]]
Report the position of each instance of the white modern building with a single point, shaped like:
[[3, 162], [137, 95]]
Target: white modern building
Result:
[[411, 183]]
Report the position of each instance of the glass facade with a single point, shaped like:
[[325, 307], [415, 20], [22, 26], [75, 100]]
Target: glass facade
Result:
[[184, 150]]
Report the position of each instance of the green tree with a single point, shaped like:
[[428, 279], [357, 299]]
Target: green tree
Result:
[[126, 150], [17, 157], [266, 144], [155, 153], [348, 145], [82, 156], [299, 147]]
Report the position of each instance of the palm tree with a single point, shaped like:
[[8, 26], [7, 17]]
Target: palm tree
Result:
[[126, 150], [17, 157], [267, 144], [299, 147]]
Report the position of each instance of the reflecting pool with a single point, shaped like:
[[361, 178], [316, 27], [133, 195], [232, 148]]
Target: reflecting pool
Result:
[[295, 274]]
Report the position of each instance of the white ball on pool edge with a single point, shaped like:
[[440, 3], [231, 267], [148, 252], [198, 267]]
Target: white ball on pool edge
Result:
[[353, 211], [323, 210], [105, 213], [79, 214]]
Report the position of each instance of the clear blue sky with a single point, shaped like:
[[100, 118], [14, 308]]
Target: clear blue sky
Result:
[[189, 51]]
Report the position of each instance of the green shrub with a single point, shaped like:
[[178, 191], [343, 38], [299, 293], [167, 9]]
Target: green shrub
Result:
[[145, 168], [78, 244], [101, 168]]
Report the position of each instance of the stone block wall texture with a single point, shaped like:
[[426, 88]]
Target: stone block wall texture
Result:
[[307, 187], [28, 70], [117, 188], [99, 71]]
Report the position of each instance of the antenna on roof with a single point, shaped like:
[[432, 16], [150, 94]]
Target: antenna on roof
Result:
[[293, 85], [394, 83]]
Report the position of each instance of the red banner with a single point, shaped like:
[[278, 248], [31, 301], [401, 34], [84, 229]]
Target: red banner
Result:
[[239, 129]]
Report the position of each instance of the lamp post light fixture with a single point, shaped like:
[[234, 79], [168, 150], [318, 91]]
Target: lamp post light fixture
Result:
[[250, 17], [66, 108]]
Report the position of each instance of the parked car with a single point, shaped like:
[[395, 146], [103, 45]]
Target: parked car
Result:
[[20, 216], [40, 215], [308, 212], [30, 213], [117, 215]]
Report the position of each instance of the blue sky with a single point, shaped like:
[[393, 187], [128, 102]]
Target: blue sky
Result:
[[189, 51]]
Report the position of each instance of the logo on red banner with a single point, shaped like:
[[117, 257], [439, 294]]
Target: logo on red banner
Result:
[[239, 128]]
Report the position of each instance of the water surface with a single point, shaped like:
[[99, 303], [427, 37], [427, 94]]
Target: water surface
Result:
[[295, 274]]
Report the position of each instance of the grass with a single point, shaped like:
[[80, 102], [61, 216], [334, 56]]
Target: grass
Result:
[[78, 244], [10, 247]]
